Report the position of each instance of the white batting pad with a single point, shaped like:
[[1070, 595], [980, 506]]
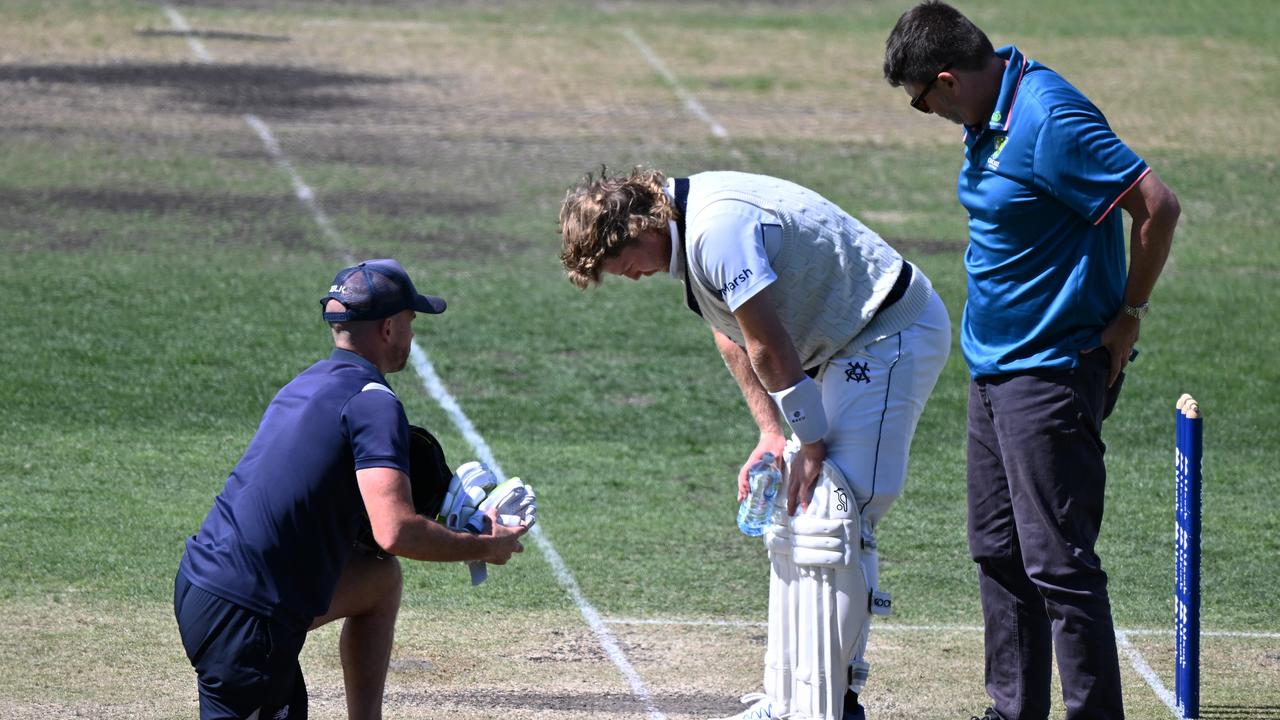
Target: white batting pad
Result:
[[831, 597], [779, 655]]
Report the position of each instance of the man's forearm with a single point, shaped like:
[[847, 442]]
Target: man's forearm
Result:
[[418, 538], [762, 408], [1148, 250], [1155, 214]]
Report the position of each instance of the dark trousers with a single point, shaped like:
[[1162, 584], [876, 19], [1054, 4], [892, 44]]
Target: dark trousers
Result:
[[244, 662], [1036, 479]]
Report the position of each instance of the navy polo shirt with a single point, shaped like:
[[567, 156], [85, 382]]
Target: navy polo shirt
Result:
[[1046, 256], [280, 532]]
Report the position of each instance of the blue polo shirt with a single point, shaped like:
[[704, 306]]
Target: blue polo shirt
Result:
[[1046, 256], [279, 533]]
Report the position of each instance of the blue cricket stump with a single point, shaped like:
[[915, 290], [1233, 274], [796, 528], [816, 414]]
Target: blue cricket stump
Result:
[[1186, 591]]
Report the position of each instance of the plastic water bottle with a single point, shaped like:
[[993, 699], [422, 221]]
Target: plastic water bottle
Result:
[[756, 510]]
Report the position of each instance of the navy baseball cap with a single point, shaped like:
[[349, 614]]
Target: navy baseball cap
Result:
[[376, 289]]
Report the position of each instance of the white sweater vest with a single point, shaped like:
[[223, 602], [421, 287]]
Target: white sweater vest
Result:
[[833, 272]]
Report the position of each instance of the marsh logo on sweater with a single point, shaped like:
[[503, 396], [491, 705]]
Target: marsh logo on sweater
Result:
[[734, 283]]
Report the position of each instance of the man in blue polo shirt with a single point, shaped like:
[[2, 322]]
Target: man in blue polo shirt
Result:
[[1049, 326], [273, 558]]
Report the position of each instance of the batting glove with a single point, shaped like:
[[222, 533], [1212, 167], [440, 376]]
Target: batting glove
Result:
[[515, 504]]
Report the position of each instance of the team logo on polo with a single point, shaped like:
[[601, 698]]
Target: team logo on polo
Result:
[[857, 372], [993, 161]]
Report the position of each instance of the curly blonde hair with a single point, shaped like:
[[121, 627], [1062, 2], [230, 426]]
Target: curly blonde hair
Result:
[[602, 215]]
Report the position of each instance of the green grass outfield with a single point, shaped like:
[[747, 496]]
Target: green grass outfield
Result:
[[162, 283]]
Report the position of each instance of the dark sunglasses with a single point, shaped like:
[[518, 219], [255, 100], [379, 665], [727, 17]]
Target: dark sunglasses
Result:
[[918, 101]]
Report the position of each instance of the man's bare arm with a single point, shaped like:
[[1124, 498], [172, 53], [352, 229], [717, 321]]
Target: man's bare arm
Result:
[[399, 530], [777, 367], [1154, 210]]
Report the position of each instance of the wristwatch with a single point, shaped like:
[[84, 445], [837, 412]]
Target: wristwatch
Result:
[[1138, 312]]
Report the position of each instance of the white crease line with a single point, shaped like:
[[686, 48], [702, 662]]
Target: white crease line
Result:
[[1131, 653], [1139, 664], [426, 371], [691, 623], [690, 101], [1211, 633], [901, 627], [889, 627]]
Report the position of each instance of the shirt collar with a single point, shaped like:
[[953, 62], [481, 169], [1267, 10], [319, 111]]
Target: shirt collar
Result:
[[347, 356], [1015, 67]]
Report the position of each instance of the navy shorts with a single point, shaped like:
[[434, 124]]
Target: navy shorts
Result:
[[244, 661]]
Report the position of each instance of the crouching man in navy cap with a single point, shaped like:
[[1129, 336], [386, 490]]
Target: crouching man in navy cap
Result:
[[274, 557]]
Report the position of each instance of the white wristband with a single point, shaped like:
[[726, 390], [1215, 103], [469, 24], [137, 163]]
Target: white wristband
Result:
[[801, 405]]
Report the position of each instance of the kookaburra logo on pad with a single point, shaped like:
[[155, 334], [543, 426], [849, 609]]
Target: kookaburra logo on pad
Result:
[[842, 501]]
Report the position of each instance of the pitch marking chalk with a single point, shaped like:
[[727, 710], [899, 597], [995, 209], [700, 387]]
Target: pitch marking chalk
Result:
[[446, 401], [1131, 632], [1131, 653], [690, 101], [431, 380], [1139, 664], [300, 189], [655, 62], [180, 24]]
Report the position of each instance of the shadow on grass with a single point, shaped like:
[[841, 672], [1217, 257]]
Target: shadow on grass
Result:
[[212, 205], [214, 35], [268, 90], [39, 214]]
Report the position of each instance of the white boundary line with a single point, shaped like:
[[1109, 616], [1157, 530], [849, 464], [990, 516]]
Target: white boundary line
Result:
[[690, 102], [300, 188], [431, 380], [180, 24]]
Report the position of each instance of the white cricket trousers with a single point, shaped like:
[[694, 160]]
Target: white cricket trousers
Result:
[[873, 399]]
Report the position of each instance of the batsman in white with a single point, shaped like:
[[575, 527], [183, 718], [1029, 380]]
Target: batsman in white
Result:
[[816, 317]]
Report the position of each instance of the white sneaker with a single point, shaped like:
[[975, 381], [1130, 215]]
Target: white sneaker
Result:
[[762, 708]]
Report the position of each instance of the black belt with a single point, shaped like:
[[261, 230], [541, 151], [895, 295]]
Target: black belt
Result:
[[898, 290], [895, 294]]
